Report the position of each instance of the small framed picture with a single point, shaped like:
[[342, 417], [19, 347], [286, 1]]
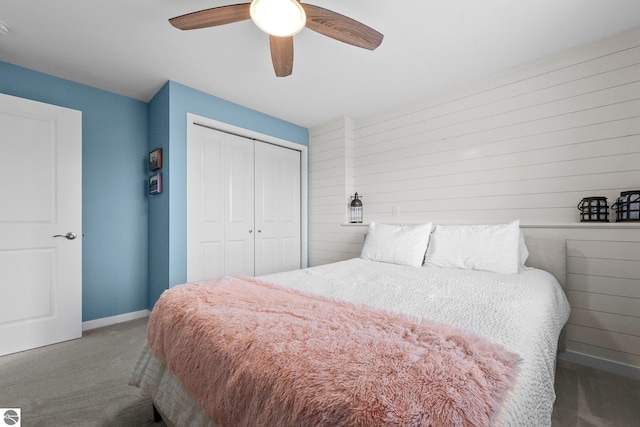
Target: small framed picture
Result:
[[155, 159], [155, 184]]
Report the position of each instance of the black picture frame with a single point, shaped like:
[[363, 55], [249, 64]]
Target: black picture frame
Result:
[[155, 159], [155, 184]]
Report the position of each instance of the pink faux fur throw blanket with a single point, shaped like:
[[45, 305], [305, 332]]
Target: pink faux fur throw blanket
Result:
[[256, 354]]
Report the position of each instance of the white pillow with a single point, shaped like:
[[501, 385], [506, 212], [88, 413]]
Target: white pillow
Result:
[[476, 247], [396, 244], [523, 252]]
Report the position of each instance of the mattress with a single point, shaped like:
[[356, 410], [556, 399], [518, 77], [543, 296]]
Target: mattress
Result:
[[525, 312]]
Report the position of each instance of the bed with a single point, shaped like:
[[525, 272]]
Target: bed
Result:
[[517, 310]]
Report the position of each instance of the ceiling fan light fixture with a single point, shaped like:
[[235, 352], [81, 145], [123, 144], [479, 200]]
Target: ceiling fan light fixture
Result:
[[280, 18]]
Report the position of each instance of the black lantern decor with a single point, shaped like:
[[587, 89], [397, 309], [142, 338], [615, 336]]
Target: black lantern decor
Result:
[[355, 212], [628, 206], [594, 209]]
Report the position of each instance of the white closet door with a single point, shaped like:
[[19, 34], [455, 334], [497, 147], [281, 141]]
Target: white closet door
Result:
[[243, 206], [205, 196], [220, 212], [277, 204], [239, 208]]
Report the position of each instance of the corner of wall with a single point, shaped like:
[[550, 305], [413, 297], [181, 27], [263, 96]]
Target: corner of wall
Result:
[[157, 206]]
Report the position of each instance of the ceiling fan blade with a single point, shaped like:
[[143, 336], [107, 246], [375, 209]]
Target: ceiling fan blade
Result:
[[341, 28], [282, 55], [212, 17]]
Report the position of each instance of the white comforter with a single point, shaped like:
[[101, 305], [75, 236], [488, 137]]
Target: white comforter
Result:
[[524, 311]]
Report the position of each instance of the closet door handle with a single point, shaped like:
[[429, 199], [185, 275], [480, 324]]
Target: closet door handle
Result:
[[250, 231]]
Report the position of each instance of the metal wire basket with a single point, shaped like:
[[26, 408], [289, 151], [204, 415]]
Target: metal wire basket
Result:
[[594, 209], [628, 206]]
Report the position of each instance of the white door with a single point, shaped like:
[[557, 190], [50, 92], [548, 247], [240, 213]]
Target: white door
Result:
[[277, 203], [40, 197], [239, 210], [219, 204], [205, 212]]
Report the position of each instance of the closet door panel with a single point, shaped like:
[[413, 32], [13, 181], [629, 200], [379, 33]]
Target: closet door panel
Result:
[[239, 205], [205, 215], [212, 256], [290, 211], [277, 209], [290, 253], [243, 206], [267, 255]]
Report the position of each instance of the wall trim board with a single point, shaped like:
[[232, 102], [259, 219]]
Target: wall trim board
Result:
[[114, 320], [602, 364]]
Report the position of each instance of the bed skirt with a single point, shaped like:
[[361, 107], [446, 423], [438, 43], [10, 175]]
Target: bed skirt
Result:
[[156, 382]]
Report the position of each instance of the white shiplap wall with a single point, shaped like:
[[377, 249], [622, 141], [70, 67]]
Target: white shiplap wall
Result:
[[603, 288], [529, 144], [330, 178]]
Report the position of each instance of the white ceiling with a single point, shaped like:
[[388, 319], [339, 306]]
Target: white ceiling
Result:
[[128, 47]]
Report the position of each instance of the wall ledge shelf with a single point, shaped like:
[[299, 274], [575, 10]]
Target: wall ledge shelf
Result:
[[632, 225], [588, 225]]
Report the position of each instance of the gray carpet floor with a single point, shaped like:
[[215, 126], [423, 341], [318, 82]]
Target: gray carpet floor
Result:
[[81, 382], [84, 383]]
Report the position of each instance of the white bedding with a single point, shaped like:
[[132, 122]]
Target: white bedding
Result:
[[524, 311]]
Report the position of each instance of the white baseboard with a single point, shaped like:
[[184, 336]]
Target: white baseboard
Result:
[[107, 321], [602, 364]]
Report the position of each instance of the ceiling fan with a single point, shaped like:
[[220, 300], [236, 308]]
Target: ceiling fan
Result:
[[282, 19]]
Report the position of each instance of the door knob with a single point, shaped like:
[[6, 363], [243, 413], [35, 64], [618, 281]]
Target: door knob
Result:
[[68, 236]]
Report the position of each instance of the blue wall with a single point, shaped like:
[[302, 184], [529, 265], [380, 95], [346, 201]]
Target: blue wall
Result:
[[114, 198], [168, 129], [134, 244], [159, 203]]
